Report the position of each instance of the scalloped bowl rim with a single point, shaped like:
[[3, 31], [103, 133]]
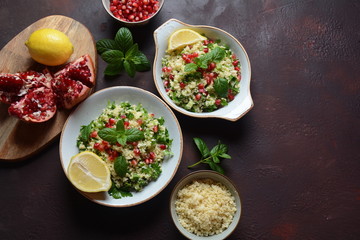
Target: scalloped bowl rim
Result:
[[242, 103], [202, 174], [91, 108]]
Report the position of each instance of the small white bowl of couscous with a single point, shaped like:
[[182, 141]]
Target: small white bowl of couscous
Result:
[[209, 78], [205, 205]]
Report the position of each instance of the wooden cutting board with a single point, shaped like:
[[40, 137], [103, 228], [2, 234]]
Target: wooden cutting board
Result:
[[18, 139]]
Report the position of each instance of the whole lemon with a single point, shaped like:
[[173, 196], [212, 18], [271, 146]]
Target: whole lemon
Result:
[[49, 46]]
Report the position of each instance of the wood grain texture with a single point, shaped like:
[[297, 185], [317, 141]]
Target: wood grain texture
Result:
[[18, 139]]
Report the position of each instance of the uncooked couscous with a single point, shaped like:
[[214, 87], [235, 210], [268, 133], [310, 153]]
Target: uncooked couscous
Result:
[[131, 141], [205, 207], [201, 77]]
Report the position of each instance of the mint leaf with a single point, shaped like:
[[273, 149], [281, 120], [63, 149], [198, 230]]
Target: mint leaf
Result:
[[141, 62], [216, 167], [129, 68], [124, 39], [221, 86], [121, 166], [112, 56], [203, 60], [219, 149], [121, 53], [217, 54], [134, 135], [122, 139], [225, 155], [113, 69], [213, 157], [85, 133], [108, 134], [201, 145], [104, 45], [132, 51], [120, 126], [190, 67], [118, 193]]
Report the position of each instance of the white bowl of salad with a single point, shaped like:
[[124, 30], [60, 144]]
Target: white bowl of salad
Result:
[[149, 141], [209, 78]]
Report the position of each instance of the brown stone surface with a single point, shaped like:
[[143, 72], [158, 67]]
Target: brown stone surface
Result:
[[296, 158]]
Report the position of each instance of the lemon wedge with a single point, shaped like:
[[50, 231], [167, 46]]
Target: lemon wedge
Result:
[[183, 37], [50, 47], [89, 173]]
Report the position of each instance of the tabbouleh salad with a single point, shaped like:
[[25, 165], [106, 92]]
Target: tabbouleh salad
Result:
[[201, 77], [131, 141]]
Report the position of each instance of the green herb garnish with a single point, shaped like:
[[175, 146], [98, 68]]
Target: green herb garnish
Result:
[[221, 86], [118, 193], [120, 134], [211, 157], [122, 53], [121, 166]]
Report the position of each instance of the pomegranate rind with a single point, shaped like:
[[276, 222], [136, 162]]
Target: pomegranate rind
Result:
[[77, 69], [68, 92]]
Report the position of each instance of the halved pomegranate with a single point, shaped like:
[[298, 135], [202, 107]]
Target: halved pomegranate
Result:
[[73, 83], [69, 92], [38, 105], [14, 86], [10, 86], [81, 70], [35, 97]]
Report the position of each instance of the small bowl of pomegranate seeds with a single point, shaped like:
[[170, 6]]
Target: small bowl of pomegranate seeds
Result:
[[202, 71], [133, 12]]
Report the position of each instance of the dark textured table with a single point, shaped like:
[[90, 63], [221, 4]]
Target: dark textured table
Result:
[[296, 157]]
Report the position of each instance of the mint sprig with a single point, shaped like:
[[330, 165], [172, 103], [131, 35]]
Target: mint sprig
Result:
[[215, 55], [211, 157], [122, 53], [120, 134]]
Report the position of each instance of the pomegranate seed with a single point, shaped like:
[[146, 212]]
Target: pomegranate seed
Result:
[[235, 63], [182, 85], [171, 77], [155, 129], [200, 86], [206, 50], [152, 155], [93, 134], [198, 96], [105, 144], [134, 162], [126, 124], [136, 151], [237, 68], [112, 121], [162, 146], [166, 83], [211, 66], [134, 143], [112, 8], [231, 96], [218, 102], [147, 161]]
